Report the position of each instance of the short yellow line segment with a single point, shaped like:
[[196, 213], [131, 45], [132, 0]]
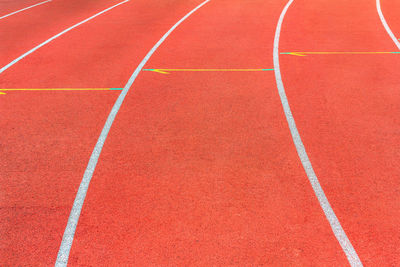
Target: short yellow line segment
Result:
[[166, 71], [58, 89], [303, 54]]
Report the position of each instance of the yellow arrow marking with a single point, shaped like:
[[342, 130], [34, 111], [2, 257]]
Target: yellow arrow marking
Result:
[[297, 54], [160, 71]]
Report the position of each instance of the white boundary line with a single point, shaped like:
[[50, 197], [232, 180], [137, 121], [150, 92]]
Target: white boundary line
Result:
[[68, 237], [56, 36], [387, 28], [337, 229], [29, 7]]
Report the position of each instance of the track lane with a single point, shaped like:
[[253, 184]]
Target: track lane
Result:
[[23, 32], [334, 222], [58, 35], [99, 54], [199, 168], [45, 146], [24, 9], [65, 247], [7, 7], [345, 109]]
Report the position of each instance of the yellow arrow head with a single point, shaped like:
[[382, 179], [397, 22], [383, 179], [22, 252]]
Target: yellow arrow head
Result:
[[160, 71], [297, 54]]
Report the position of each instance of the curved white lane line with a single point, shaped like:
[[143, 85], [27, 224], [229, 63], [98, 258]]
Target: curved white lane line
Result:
[[68, 237], [337, 229], [387, 28], [56, 36], [29, 7]]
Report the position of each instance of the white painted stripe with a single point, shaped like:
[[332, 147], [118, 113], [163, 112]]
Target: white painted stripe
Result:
[[15, 12], [56, 36], [301, 151], [387, 28], [68, 237]]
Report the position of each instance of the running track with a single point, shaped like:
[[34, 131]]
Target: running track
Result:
[[200, 167]]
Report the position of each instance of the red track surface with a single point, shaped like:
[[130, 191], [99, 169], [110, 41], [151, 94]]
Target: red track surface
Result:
[[199, 167]]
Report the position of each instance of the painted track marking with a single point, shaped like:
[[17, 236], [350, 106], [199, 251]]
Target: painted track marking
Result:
[[58, 89], [337, 229], [68, 237], [166, 71], [387, 28], [23, 9], [303, 54], [61, 89], [56, 36]]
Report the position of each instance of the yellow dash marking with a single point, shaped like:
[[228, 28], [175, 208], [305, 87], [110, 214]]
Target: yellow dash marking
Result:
[[210, 69], [57, 89], [334, 53], [166, 71]]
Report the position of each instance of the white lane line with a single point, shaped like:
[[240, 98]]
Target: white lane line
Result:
[[29, 7], [337, 229], [68, 237], [56, 36], [387, 28]]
